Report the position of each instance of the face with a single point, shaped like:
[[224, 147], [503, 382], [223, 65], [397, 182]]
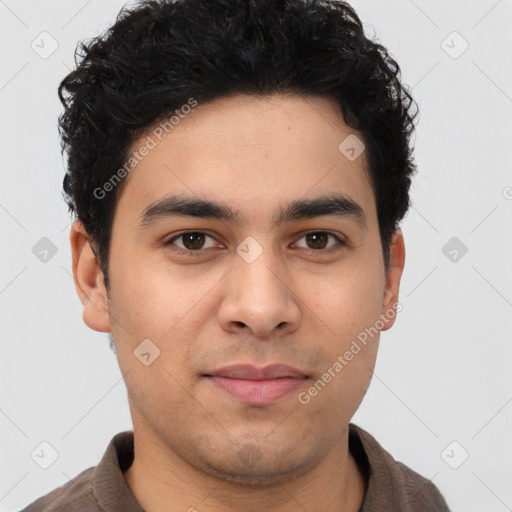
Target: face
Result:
[[252, 282]]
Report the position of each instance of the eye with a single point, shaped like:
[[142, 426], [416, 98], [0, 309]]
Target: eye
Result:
[[317, 241], [191, 241]]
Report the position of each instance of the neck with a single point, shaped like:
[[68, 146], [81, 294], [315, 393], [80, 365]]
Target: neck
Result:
[[159, 477]]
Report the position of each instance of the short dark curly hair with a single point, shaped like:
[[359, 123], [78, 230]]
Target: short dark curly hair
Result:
[[160, 53]]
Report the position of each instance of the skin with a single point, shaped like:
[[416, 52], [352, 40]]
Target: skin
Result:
[[195, 446]]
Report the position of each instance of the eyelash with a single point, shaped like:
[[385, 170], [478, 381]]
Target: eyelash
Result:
[[188, 252]]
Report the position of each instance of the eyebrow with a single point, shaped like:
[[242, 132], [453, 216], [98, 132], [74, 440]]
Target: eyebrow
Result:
[[182, 206]]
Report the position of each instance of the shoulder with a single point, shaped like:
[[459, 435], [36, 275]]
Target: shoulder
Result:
[[95, 489], [417, 492], [391, 485], [78, 492]]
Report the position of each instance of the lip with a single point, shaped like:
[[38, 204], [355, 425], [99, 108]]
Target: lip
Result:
[[250, 372], [257, 386]]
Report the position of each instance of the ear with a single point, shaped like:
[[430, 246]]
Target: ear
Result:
[[390, 304], [89, 280]]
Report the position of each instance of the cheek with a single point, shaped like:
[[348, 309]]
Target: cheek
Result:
[[335, 395], [172, 311], [156, 392], [344, 311], [157, 300], [157, 315], [346, 303]]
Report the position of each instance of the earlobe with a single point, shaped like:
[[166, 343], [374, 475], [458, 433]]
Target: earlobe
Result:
[[88, 280], [391, 292]]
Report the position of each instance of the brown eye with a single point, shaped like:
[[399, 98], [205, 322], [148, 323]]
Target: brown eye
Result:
[[318, 240], [191, 241]]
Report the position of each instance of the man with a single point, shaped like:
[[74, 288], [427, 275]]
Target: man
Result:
[[238, 170]]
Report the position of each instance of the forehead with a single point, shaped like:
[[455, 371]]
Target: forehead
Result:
[[250, 152]]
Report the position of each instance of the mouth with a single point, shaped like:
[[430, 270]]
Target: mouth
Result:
[[257, 386]]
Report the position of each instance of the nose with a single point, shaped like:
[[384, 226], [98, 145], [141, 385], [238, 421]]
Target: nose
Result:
[[259, 298]]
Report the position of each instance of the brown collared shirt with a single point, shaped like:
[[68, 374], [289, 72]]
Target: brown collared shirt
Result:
[[390, 485]]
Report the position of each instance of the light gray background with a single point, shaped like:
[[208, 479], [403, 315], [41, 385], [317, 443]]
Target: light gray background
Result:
[[443, 372]]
